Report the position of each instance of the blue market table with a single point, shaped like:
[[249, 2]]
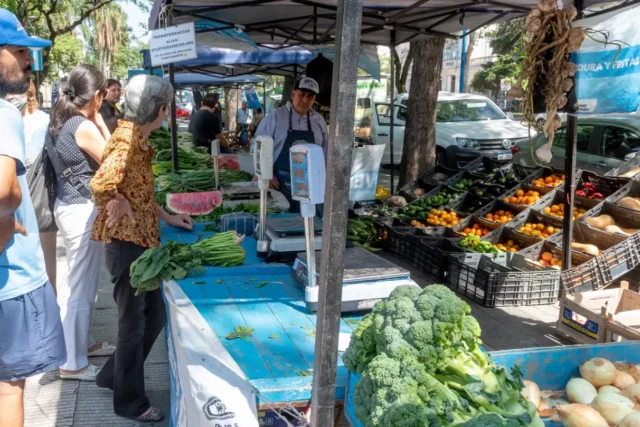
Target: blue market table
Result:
[[278, 357]]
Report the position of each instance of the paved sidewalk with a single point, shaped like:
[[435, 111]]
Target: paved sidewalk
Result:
[[51, 402]]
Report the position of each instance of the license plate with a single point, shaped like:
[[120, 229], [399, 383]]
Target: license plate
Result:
[[505, 156]]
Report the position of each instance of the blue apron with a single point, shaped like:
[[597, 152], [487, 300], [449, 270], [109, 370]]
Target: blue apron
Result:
[[282, 167]]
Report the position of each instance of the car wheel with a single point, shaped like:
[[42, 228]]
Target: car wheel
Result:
[[441, 157]]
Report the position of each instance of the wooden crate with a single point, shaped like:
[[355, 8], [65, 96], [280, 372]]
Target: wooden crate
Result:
[[600, 316]]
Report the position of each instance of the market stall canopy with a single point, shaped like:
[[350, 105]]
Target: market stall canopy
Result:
[[197, 79], [283, 62], [384, 22]]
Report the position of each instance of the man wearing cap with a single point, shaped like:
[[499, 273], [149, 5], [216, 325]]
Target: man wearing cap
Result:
[[293, 122], [31, 338]]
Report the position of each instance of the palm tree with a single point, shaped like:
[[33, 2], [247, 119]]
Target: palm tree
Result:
[[109, 32]]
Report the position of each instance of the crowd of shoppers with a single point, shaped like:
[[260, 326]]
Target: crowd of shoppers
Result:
[[104, 206]]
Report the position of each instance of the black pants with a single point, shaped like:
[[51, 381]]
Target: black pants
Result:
[[140, 321]]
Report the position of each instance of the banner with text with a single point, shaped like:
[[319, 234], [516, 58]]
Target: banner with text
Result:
[[608, 77], [172, 44], [365, 169]]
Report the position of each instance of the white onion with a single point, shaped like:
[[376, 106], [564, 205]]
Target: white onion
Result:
[[598, 372], [581, 391], [613, 407], [623, 380], [576, 415], [631, 420], [609, 389], [531, 392], [632, 392]]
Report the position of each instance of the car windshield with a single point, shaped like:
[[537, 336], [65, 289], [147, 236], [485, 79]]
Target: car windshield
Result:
[[468, 110]]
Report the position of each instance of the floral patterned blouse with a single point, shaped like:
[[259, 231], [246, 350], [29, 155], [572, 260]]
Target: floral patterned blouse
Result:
[[126, 169]]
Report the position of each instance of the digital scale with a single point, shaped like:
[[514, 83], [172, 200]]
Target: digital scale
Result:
[[368, 278]]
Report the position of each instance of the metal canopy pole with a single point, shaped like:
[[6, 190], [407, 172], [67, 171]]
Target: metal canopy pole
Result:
[[341, 136], [392, 105], [174, 126], [569, 170]]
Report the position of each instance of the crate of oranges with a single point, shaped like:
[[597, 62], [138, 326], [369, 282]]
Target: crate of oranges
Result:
[[536, 225], [546, 256], [508, 240], [475, 226], [554, 207], [499, 211], [552, 180], [525, 195], [443, 217]]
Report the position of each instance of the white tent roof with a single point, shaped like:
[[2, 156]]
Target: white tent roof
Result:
[[287, 22]]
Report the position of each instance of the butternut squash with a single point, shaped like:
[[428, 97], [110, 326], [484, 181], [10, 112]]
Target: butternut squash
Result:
[[601, 221], [631, 173], [630, 203], [590, 249], [616, 229]]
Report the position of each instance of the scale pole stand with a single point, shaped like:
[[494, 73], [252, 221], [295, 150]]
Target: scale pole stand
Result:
[[309, 234]]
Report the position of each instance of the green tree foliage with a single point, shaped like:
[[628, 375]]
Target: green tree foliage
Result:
[[64, 55], [506, 44]]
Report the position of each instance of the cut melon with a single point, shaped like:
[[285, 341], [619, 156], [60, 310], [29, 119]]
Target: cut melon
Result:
[[194, 203]]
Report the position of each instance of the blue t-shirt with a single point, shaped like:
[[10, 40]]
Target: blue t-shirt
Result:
[[22, 267]]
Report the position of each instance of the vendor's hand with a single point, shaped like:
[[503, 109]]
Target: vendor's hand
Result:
[[274, 183], [117, 208], [181, 220], [8, 227]]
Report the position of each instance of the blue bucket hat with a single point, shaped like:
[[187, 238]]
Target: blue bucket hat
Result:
[[13, 33]]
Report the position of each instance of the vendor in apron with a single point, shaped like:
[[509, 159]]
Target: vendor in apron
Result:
[[293, 123]]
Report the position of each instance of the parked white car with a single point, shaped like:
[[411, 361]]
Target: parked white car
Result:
[[463, 120]]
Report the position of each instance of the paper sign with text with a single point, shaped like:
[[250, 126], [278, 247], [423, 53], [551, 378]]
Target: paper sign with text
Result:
[[173, 44]]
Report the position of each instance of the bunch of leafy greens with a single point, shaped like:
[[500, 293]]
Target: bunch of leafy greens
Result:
[[421, 365]]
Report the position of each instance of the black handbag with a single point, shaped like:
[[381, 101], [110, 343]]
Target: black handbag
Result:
[[41, 179]]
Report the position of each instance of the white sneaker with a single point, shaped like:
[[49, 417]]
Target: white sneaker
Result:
[[88, 374], [105, 350]]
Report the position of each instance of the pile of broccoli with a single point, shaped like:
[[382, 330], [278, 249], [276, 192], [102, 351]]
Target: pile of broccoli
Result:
[[421, 365]]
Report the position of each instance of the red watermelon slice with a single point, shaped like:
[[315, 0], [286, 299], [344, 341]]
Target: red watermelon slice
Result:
[[194, 203]]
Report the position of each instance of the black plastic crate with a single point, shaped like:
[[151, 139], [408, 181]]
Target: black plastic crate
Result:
[[557, 198], [542, 192], [494, 285], [547, 172], [469, 176], [625, 168], [431, 178], [484, 165], [632, 189], [473, 219], [606, 185], [505, 176], [523, 171], [534, 217], [624, 218], [500, 205], [618, 254], [504, 234], [425, 201], [468, 203], [432, 255], [408, 191]]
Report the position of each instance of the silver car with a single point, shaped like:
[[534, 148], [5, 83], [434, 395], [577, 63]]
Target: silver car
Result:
[[604, 143]]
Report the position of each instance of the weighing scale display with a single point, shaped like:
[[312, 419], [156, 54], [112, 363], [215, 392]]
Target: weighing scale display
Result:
[[258, 152], [300, 176]]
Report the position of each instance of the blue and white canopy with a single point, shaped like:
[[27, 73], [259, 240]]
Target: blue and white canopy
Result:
[[197, 79]]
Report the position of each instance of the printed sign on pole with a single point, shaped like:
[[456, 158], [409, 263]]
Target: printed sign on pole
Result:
[[173, 44], [365, 169], [36, 54]]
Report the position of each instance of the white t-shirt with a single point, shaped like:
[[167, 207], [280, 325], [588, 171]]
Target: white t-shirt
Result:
[[35, 130]]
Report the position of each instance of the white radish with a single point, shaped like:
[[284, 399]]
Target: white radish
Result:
[[613, 407], [581, 391], [577, 415], [598, 372], [531, 392]]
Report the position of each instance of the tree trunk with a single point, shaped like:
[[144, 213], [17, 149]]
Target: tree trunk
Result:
[[231, 99], [419, 151], [402, 70], [287, 88], [470, 47]]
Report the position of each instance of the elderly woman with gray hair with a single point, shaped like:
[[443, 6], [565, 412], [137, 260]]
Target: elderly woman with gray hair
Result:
[[128, 224]]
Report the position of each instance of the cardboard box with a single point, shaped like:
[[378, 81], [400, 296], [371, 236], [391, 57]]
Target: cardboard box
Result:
[[600, 316]]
